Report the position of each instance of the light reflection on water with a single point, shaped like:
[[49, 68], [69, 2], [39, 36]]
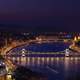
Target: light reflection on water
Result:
[[66, 66], [46, 60]]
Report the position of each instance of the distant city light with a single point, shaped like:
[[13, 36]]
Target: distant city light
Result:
[[75, 38], [79, 37], [9, 77], [3, 63]]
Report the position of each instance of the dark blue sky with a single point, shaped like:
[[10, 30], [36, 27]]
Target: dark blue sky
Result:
[[55, 14]]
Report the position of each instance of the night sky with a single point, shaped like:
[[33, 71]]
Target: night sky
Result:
[[40, 15]]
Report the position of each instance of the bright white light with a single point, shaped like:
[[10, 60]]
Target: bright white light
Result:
[[3, 63], [67, 52], [23, 49], [0, 64], [23, 55]]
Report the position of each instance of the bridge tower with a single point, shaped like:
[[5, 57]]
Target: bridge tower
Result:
[[67, 52]]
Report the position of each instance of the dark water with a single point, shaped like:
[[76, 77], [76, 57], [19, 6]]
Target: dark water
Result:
[[48, 47], [55, 68], [59, 68], [44, 47]]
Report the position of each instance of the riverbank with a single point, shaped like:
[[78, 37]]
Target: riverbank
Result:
[[11, 46]]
